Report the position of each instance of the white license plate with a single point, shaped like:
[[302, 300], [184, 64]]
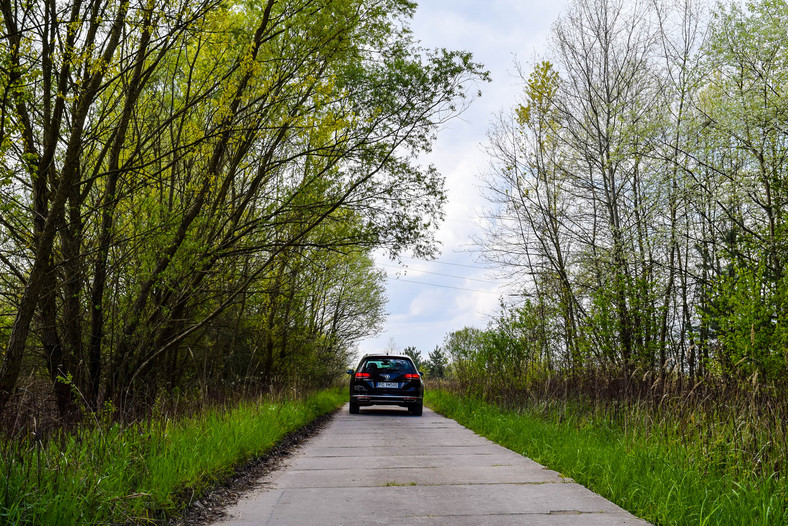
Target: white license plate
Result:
[[389, 385]]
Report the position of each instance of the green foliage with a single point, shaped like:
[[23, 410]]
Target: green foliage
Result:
[[438, 363], [145, 472], [415, 355], [541, 88], [226, 173], [516, 348], [639, 196], [749, 321], [466, 365]]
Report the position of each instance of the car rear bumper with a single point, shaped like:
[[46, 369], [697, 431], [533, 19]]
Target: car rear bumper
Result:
[[403, 400]]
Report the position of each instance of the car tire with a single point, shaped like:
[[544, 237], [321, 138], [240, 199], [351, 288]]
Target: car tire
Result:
[[415, 410], [353, 408]]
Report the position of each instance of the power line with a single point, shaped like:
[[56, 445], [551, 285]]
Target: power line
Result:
[[439, 274], [444, 263], [446, 286]]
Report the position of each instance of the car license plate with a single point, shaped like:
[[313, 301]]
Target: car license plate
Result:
[[389, 385]]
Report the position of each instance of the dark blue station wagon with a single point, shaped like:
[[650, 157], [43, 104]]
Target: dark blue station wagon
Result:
[[382, 379]]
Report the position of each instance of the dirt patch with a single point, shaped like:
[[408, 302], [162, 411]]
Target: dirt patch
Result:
[[211, 506]]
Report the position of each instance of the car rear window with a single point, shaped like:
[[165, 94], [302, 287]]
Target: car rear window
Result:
[[387, 364]]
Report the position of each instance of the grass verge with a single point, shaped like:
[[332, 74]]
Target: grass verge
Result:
[[642, 470], [139, 473]]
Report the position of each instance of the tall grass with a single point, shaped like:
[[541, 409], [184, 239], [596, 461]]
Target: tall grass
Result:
[[657, 467], [143, 472]]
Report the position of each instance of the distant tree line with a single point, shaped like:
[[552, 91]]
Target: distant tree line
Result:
[[640, 191], [190, 191]]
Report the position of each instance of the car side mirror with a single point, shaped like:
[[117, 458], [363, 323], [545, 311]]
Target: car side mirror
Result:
[[349, 371]]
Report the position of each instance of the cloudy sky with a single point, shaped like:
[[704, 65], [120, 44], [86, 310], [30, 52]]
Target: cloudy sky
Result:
[[428, 300]]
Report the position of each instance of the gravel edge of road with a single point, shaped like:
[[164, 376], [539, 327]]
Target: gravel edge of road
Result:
[[211, 506]]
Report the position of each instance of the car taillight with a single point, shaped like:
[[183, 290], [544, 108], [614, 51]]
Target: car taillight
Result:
[[411, 376], [362, 375]]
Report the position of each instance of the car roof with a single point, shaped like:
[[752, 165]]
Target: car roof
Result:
[[388, 356]]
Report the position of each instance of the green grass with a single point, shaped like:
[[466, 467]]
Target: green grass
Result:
[[145, 472], [639, 467]]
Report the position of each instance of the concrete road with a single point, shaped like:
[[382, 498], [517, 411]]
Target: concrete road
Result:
[[385, 467]]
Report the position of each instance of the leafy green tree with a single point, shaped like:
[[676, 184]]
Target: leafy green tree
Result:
[[438, 363], [639, 195], [415, 355], [467, 363], [185, 161], [743, 130]]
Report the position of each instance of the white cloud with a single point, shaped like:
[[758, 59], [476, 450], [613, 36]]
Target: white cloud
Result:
[[495, 31]]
